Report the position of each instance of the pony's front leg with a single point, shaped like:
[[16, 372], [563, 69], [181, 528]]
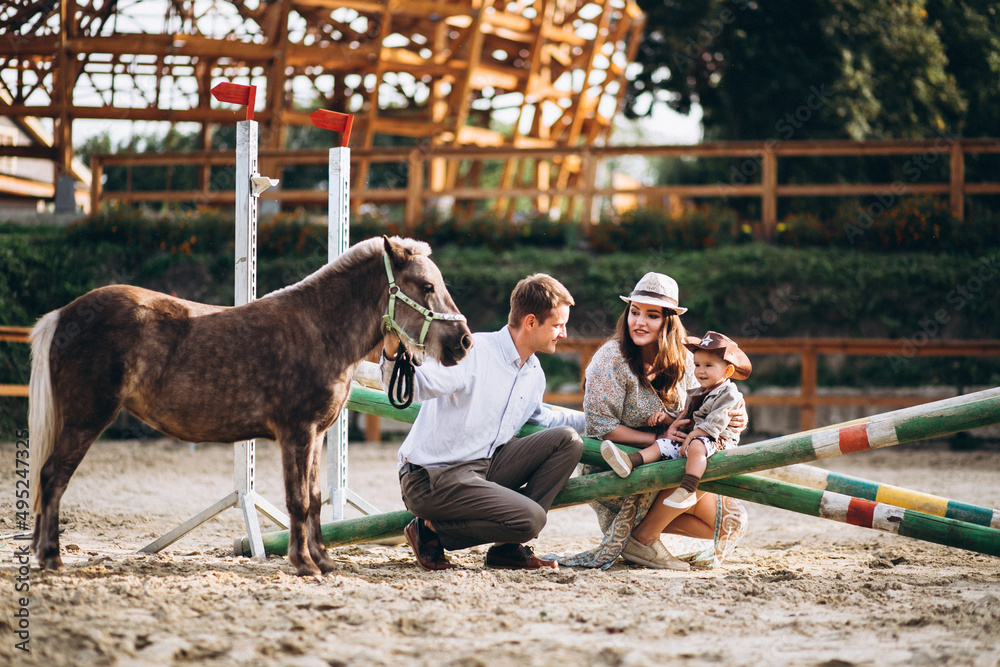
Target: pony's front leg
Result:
[[295, 459], [314, 532]]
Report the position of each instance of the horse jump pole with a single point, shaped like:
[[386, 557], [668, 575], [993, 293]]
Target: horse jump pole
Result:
[[860, 512], [923, 421], [892, 428], [249, 185], [856, 487], [338, 232], [812, 502]]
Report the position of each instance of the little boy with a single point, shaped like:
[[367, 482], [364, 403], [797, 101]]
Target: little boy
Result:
[[716, 359]]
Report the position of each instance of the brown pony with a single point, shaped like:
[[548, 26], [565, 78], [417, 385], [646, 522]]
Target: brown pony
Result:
[[277, 368]]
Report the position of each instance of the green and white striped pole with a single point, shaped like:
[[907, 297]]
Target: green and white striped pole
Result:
[[910, 424]]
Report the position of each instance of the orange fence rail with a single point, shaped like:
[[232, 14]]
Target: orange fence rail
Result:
[[809, 350], [759, 177], [808, 400], [14, 335]]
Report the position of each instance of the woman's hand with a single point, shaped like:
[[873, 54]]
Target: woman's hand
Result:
[[674, 432], [738, 418]]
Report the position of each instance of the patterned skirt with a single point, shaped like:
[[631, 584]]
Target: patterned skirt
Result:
[[618, 516]]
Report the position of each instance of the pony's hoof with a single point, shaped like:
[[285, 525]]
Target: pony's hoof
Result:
[[55, 564], [326, 565], [307, 570]]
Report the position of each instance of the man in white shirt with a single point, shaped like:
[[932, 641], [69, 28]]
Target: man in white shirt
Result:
[[462, 472]]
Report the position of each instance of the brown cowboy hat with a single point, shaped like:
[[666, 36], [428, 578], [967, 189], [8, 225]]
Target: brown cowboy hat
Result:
[[726, 348]]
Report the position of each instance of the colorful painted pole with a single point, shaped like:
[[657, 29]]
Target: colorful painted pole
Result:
[[753, 488], [924, 421], [907, 425], [825, 480], [832, 440], [859, 512]]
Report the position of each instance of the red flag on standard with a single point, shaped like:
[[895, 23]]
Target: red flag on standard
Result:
[[235, 93], [332, 120]]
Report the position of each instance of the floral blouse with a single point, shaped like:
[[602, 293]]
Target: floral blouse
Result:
[[614, 396]]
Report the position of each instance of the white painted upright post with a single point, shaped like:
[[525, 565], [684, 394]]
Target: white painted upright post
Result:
[[338, 231], [338, 228], [249, 185], [245, 452], [336, 437]]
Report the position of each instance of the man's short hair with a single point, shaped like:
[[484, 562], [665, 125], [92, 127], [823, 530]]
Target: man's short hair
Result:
[[538, 294]]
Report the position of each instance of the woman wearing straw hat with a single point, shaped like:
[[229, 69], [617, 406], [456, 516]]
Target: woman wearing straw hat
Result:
[[643, 369]]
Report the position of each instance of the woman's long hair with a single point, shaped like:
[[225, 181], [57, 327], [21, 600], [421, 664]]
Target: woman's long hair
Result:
[[671, 356]]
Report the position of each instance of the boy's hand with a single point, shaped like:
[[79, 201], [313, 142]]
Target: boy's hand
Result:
[[658, 418], [390, 343]]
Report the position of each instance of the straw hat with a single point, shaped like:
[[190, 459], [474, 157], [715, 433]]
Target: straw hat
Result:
[[725, 347], [656, 289]]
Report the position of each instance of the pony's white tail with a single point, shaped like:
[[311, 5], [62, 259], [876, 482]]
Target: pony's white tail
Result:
[[42, 412]]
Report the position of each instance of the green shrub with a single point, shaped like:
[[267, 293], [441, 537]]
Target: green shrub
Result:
[[804, 230], [923, 223], [747, 291], [979, 230], [700, 228]]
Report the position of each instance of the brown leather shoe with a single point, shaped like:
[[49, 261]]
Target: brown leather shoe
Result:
[[516, 557], [426, 546]]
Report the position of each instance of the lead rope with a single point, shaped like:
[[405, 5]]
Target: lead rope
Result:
[[401, 380]]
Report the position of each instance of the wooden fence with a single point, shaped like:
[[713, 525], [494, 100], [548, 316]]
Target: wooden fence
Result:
[[757, 175], [14, 335], [808, 400]]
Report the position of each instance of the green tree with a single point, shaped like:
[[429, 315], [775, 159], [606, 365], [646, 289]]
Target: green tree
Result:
[[970, 32], [145, 178], [785, 69]]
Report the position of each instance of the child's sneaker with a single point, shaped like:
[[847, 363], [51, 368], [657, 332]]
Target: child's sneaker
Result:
[[616, 458], [681, 498]]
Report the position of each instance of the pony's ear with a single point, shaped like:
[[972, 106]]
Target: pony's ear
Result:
[[394, 251]]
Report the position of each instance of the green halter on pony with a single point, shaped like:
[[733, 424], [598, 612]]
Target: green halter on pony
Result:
[[401, 380]]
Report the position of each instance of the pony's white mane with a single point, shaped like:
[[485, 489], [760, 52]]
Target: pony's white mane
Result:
[[356, 254]]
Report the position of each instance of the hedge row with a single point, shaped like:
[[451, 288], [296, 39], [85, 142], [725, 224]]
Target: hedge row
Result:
[[919, 223], [748, 290]]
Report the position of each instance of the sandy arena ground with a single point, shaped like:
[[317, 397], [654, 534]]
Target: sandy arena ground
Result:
[[798, 590]]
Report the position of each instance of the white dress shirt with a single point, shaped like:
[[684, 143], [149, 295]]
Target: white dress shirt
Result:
[[470, 409]]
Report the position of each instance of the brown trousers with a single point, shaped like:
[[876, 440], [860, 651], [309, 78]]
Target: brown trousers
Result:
[[500, 499]]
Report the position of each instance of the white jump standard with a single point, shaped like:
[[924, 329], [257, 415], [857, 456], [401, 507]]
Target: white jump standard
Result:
[[249, 185]]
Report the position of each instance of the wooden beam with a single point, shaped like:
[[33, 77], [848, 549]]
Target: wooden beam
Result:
[[957, 189], [33, 151], [473, 56], [333, 58], [30, 45], [118, 113], [769, 196], [852, 189], [14, 334]]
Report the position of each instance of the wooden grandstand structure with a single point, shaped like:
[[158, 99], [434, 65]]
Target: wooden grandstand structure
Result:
[[438, 72]]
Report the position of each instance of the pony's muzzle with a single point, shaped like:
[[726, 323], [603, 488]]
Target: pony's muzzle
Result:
[[460, 350]]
